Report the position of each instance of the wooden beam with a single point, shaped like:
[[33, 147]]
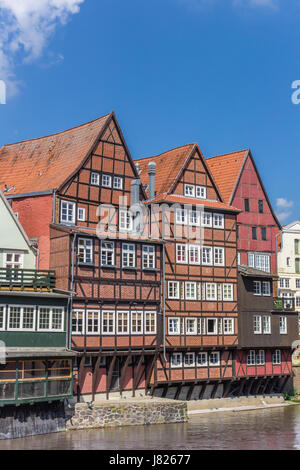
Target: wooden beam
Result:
[[80, 374], [214, 390], [149, 372], [109, 375], [178, 391], [136, 374], [123, 373], [202, 390], [95, 376], [227, 387], [266, 385], [163, 366], [190, 392]]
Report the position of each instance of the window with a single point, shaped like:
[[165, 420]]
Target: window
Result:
[[228, 326], [257, 287], [190, 291], [189, 190], [125, 220], [108, 322], [202, 359], [219, 256], [85, 250], [176, 360], [284, 283], [214, 358], [260, 206], [77, 322], [207, 255], [189, 359], [254, 233], [194, 218], [211, 291], [13, 260], [296, 247], [212, 326], [21, 318], [297, 265], [239, 259], [107, 253], [206, 219], [283, 325], [266, 324], [181, 253], [93, 322], [288, 261], [148, 252], [174, 326], [50, 318], [218, 220], [67, 212], [173, 289], [136, 322], [2, 317], [106, 181], [297, 283], [122, 323], [276, 357], [246, 205], [260, 357], [263, 233], [259, 261], [266, 288], [191, 326], [181, 216], [150, 322], [251, 359], [257, 324], [95, 179], [118, 182], [128, 255], [194, 254], [81, 214], [297, 301], [201, 192], [227, 292]]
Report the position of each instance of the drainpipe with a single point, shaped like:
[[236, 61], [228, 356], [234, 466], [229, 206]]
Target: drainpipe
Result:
[[37, 263], [164, 303], [53, 206]]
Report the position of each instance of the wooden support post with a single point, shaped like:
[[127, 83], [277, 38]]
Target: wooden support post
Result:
[[257, 386], [95, 376], [250, 383], [165, 391], [150, 370], [137, 374], [202, 390], [190, 392], [123, 373], [226, 389], [109, 375], [178, 391], [285, 381], [214, 390], [80, 375], [266, 385]]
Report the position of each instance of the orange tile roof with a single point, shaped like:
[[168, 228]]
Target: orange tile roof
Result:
[[45, 163], [225, 170], [168, 166], [165, 197]]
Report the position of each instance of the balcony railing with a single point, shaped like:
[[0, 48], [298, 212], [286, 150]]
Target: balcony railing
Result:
[[24, 279], [285, 304]]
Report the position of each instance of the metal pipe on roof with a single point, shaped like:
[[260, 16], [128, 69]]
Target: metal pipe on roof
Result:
[[151, 174]]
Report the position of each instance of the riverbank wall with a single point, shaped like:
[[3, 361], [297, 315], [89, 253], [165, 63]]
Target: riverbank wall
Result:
[[127, 413]]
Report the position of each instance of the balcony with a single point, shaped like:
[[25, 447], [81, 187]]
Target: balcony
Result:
[[26, 279], [284, 304]]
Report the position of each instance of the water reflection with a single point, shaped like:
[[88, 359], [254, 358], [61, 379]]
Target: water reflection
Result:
[[277, 428]]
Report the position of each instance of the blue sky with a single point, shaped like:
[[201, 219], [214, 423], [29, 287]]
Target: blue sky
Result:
[[216, 72]]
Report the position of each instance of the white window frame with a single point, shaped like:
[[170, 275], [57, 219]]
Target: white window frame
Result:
[[174, 321], [260, 357], [257, 324], [196, 250], [153, 314], [215, 332], [140, 315], [221, 250], [189, 364], [21, 306], [120, 180], [192, 331], [202, 364], [266, 324], [81, 210], [110, 333], [176, 366], [211, 291], [276, 357], [218, 221], [206, 219], [181, 216], [4, 317], [87, 246], [217, 354], [128, 254], [125, 220], [194, 221], [266, 292], [148, 257], [77, 332], [226, 298], [257, 287], [228, 326], [283, 325], [199, 190], [210, 262], [190, 289], [51, 329], [251, 357], [108, 184], [174, 283], [69, 204], [95, 179], [8, 264], [123, 313], [181, 251], [96, 313], [189, 190], [106, 250]]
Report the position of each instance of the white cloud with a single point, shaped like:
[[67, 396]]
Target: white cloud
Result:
[[284, 208], [25, 27]]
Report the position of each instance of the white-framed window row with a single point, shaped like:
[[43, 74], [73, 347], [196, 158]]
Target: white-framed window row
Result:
[[209, 291], [191, 190], [255, 357], [13, 259], [259, 261], [50, 318], [262, 324], [32, 318], [111, 322], [192, 359], [21, 318], [284, 283], [196, 326], [197, 217]]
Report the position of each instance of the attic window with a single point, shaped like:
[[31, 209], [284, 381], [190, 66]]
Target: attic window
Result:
[[189, 190], [201, 192]]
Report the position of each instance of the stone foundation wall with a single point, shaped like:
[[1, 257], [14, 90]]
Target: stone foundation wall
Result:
[[101, 414]]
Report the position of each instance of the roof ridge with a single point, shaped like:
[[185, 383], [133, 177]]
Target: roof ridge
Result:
[[56, 133], [166, 151], [226, 154]]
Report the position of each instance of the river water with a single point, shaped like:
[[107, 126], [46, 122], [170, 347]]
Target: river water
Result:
[[275, 428]]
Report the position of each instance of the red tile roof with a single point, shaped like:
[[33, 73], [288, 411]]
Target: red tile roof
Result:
[[225, 170], [165, 197], [168, 166], [47, 162]]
